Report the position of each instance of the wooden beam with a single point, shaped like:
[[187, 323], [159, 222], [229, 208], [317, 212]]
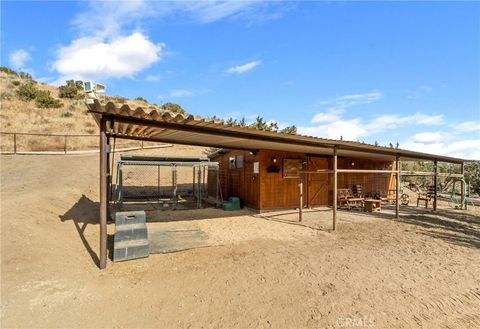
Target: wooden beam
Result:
[[334, 188], [366, 171], [397, 189], [300, 206], [462, 185], [103, 194], [435, 184]]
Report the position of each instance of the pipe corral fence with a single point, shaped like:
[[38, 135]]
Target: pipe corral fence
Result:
[[44, 143], [173, 182]]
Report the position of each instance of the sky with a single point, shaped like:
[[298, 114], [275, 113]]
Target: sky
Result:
[[386, 72]]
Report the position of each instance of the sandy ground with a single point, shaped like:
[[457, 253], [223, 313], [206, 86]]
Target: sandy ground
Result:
[[263, 271]]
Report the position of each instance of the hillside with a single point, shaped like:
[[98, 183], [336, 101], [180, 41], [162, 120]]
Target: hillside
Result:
[[25, 116]]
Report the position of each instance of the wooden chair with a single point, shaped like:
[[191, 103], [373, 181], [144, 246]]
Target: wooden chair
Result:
[[426, 196], [357, 191], [347, 199]]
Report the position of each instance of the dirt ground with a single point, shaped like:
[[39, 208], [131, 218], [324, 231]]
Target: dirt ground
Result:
[[262, 271]]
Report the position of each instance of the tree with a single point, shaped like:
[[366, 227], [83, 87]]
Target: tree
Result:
[[231, 122], [376, 143], [472, 175], [242, 122], [27, 91], [289, 130], [172, 107]]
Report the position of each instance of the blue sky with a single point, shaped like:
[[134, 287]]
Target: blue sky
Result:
[[368, 71]]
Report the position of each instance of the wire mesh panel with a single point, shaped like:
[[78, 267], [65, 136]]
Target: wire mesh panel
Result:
[[142, 181], [162, 181]]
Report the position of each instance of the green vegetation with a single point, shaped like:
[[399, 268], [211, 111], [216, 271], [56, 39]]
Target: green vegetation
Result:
[[27, 91], [67, 114], [8, 70], [72, 89], [472, 175], [172, 107], [16, 83], [43, 99], [141, 99], [260, 124]]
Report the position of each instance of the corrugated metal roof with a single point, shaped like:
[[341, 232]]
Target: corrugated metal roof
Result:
[[165, 126]]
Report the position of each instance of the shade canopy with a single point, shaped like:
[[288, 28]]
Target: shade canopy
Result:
[[168, 127]]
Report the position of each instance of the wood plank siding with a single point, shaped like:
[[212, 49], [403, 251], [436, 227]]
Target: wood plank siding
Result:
[[271, 190]]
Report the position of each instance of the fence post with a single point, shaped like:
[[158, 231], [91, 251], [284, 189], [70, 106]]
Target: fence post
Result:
[[14, 143], [65, 145]]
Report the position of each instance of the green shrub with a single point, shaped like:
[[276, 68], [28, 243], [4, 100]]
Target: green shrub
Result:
[[67, 114], [71, 89], [27, 91], [16, 83], [8, 70], [25, 75], [141, 99], [45, 100], [172, 107]]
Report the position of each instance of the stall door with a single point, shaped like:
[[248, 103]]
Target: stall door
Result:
[[317, 184]]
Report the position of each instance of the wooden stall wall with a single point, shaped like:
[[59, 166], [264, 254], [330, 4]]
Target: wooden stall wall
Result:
[[277, 192], [271, 190], [371, 183], [239, 182]]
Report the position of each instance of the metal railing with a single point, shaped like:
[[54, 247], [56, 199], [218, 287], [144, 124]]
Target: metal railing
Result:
[[45, 143]]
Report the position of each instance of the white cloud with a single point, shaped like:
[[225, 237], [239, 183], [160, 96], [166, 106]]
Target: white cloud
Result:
[[182, 93], [104, 19], [461, 148], [92, 58], [353, 129], [391, 121], [243, 68], [467, 126], [19, 58], [428, 137], [353, 99], [330, 115], [346, 129]]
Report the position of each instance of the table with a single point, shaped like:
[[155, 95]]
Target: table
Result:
[[372, 204]]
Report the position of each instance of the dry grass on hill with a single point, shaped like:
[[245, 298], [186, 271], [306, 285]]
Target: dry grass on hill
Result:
[[72, 118]]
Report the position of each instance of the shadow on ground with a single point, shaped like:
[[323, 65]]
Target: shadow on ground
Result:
[[82, 213], [458, 227]]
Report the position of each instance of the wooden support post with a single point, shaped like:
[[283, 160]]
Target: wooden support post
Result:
[[300, 206], [174, 182], [334, 189], [397, 188], [103, 195], [462, 186], [435, 184], [14, 143], [109, 177], [65, 145]]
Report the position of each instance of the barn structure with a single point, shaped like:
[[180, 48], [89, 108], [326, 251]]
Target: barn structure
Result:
[[278, 168], [269, 180]]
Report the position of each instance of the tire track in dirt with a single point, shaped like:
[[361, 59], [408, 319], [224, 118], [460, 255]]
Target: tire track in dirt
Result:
[[454, 311]]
